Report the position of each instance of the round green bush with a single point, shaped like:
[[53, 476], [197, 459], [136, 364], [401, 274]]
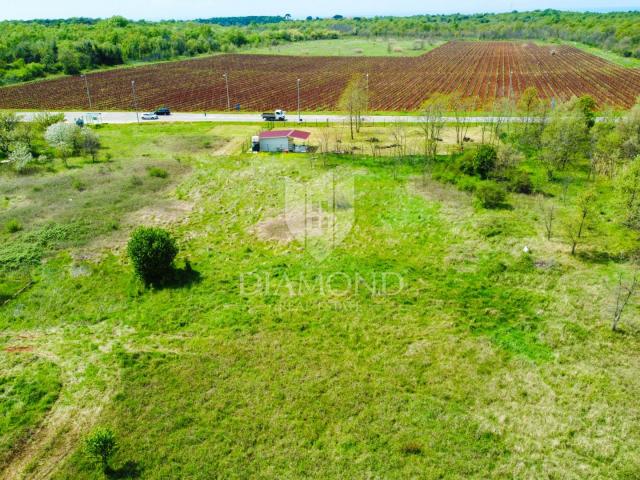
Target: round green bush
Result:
[[520, 182], [490, 195], [13, 226], [152, 251]]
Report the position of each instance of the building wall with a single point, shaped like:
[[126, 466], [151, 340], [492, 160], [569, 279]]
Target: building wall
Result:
[[275, 144]]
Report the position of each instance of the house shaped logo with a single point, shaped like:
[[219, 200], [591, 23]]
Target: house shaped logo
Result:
[[320, 213]]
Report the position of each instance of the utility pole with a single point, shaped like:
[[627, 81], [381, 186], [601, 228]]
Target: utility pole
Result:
[[135, 100], [86, 84], [299, 117], [226, 81], [367, 106], [510, 84]]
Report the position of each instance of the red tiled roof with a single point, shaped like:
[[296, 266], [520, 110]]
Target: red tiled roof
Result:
[[299, 134]]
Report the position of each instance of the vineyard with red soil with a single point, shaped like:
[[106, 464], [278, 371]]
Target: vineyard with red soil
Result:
[[483, 70]]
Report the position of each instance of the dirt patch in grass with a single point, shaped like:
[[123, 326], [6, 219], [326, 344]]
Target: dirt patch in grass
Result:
[[274, 229], [19, 349], [163, 214], [448, 196], [169, 212], [293, 224], [230, 148]]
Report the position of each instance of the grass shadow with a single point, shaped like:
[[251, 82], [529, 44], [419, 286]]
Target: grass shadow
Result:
[[129, 469], [182, 277], [600, 257]]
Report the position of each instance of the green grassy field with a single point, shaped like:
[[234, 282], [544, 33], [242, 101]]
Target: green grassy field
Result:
[[628, 62], [350, 47], [425, 344]]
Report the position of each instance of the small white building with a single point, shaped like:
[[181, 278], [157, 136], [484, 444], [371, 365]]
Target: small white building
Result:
[[283, 141]]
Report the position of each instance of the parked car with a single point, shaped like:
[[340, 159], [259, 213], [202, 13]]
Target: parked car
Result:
[[149, 116], [163, 111]]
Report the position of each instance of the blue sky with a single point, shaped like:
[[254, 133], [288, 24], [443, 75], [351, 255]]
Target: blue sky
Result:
[[188, 9]]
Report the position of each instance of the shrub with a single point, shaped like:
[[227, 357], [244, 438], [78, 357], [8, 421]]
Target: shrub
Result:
[[158, 172], [465, 162], [44, 120], [12, 226], [20, 157], [152, 251], [520, 182], [411, 448], [479, 162], [78, 184], [467, 184], [100, 447], [135, 181], [490, 195], [89, 142]]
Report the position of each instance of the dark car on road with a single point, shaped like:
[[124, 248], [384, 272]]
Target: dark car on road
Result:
[[163, 111]]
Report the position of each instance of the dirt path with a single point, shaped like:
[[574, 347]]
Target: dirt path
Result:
[[82, 400], [230, 148], [79, 404]]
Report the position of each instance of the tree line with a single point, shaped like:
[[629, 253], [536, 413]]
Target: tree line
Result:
[[618, 32], [38, 48], [31, 50]]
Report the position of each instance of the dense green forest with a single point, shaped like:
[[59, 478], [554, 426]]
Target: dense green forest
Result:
[[35, 49]]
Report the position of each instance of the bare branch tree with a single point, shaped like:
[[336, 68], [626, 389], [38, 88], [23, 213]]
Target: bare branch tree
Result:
[[354, 101], [399, 134], [460, 107], [548, 216], [576, 226], [325, 139], [623, 295]]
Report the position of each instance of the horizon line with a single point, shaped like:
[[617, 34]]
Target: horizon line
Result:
[[346, 17]]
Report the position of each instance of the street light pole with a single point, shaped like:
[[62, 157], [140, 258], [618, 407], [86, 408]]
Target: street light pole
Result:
[[135, 100], [299, 117], [367, 108], [86, 84], [226, 81], [510, 84]]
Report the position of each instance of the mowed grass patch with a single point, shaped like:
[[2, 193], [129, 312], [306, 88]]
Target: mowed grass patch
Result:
[[298, 405], [28, 388]]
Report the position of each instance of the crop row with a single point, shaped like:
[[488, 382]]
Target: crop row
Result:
[[483, 70]]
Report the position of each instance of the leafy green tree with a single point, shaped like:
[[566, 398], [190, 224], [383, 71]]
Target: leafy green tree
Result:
[[629, 130], [89, 142], [528, 103], [606, 155], [629, 187], [69, 60], [565, 140], [581, 219], [100, 447], [587, 106], [8, 126], [354, 102]]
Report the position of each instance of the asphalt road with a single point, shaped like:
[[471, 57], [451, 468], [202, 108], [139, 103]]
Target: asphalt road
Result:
[[130, 117]]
